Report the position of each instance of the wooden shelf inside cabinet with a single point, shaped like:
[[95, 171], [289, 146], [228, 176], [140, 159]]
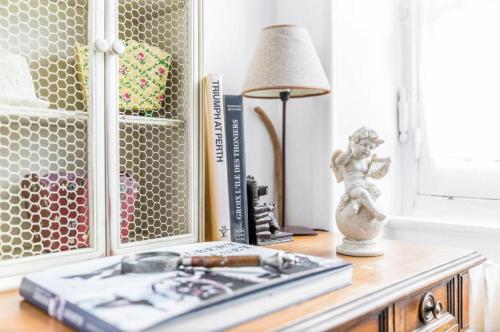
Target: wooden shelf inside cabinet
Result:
[[133, 119]]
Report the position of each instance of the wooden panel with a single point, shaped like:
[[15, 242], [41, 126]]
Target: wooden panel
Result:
[[378, 321], [377, 281], [463, 299], [410, 307]]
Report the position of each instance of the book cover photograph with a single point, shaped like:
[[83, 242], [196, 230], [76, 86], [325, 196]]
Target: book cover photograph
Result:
[[98, 295]]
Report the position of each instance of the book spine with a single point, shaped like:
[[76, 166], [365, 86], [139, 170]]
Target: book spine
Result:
[[66, 312], [219, 157], [209, 226], [252, 231], [236, 175]]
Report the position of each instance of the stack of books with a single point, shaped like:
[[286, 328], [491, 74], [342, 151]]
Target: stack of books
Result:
[[227, 203]]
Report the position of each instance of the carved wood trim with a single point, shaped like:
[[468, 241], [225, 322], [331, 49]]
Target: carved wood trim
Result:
[[383, 320], [451, 296], [463, 300], [352, 310]]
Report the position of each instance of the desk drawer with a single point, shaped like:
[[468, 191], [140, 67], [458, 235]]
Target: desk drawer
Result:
[[431, 309]]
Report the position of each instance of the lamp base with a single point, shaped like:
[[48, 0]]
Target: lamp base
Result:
[[299, 230]]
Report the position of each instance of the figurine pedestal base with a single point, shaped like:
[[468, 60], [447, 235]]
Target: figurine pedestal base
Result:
[[361, 248]]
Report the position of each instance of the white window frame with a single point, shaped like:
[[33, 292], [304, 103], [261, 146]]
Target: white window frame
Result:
[[456, 209]]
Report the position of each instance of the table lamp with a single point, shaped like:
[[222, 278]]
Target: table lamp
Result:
[[285, 65]]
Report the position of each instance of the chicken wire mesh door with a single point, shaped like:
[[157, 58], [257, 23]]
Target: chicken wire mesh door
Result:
[[156, 125], [46, 125], [69, 103]]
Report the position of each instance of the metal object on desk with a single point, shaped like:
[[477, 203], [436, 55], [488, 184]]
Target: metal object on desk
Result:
[[430, 308], [154, 262], [157, 262], [150, 262], [262, 224], [281, 262]]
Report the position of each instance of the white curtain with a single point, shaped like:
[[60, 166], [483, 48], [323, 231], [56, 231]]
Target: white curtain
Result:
[[484, 300]]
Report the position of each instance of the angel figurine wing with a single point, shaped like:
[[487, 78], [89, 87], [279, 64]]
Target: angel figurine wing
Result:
[[378, 167], [337, 170]]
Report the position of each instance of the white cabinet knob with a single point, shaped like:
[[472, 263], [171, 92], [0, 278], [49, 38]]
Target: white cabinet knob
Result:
[[118, 47], [101, 45]]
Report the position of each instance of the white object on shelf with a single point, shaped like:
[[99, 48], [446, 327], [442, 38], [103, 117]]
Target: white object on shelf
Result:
[[16, 83]]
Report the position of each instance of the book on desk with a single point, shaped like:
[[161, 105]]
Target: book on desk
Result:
[[96, 296]]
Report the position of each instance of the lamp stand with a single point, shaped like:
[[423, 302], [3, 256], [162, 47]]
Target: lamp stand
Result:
[[295, 230]]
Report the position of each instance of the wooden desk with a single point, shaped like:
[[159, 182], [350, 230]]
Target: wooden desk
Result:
[[385, 295]]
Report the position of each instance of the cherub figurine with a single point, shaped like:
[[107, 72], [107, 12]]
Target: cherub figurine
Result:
[[354, 167]]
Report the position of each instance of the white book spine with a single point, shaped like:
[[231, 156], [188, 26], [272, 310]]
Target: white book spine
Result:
[[216, 100]]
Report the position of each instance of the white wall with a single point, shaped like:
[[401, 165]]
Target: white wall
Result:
[[309, 186], [365, 74], [231, 32], [358, 44]]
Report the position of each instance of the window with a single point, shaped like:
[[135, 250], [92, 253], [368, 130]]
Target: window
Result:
[[455, 63]]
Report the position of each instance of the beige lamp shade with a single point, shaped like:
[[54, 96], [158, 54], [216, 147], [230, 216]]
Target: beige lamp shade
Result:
[[285, 59]]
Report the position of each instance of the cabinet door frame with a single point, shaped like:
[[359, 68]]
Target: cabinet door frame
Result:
[[12, 270], [103, 151], [195, 164]]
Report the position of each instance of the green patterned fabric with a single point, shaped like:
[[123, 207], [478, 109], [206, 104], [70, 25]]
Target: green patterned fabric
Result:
[[143, 72]]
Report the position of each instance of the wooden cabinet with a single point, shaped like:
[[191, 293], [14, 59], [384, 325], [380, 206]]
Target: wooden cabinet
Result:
[[443, 306], [438, 307], [433, 308], [379, 320], [391, 293], [413, 287]]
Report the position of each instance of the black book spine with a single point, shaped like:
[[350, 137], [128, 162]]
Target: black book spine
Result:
[[236, 170], [66, 312]]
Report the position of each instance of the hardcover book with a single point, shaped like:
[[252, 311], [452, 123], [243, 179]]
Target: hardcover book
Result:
[[220, 228], [236, 175], [96, 296]]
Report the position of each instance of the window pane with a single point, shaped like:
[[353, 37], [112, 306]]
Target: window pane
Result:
[[460, 81]]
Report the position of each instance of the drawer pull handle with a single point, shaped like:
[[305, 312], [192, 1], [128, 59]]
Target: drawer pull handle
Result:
[[430, 308]]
